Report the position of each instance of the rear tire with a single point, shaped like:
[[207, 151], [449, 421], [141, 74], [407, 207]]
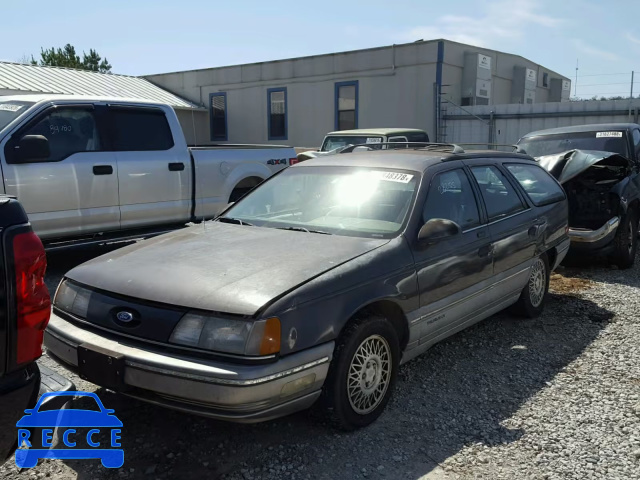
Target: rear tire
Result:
[[626, 242], [534, 294], [363, 372]]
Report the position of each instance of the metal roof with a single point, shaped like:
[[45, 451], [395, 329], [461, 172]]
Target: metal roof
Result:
[[69, 81]]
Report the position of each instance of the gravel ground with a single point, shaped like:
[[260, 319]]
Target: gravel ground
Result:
[[553, 398]]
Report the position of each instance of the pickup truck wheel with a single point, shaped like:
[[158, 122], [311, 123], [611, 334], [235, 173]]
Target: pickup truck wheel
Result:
[[363, 372], [533, 296], [626, 242]]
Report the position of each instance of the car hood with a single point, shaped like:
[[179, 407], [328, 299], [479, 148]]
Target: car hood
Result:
[[567, 165], [220, 267]]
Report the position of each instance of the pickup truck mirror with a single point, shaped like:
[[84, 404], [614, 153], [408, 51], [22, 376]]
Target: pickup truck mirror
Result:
[[33, 147], [438, 229]]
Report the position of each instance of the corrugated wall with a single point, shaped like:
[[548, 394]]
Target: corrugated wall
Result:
[[510, 122]]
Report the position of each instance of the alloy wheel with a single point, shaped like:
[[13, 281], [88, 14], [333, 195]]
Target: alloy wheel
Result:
[[369, 374]]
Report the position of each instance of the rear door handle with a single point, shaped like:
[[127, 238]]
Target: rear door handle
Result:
[[536, 229], [176, 167], [102, 169]]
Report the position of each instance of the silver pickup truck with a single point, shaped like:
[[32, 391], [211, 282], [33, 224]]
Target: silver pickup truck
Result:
[[83, 166]]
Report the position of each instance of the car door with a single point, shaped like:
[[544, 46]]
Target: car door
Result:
[[513, 226], [74, 191], [452, 273], [154, 177]]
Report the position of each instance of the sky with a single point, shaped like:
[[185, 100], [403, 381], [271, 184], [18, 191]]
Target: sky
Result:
[[143, 37]]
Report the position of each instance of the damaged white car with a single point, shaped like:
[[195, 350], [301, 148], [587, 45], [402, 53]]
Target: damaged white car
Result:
[[599, 167]]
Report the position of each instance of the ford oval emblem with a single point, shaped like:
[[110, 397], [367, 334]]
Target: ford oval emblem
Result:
[[125, 317]]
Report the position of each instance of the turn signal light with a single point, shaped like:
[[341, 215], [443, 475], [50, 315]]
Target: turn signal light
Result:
[[271, 337]]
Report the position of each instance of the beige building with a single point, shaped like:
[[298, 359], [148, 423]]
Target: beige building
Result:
[[296, 101]]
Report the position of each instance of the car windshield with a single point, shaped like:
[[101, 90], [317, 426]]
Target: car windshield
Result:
[[10, 110], [348, 201], [337, 141], [609, 141]]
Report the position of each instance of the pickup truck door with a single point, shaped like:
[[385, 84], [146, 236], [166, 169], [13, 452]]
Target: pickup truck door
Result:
[[154, 171], [75, 190]]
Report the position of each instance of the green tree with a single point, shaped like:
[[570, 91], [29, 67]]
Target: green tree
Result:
[[67, 57]]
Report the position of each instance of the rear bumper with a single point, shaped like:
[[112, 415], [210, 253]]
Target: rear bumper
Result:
[[561, 250], [584, 239], [15, 397], [222, 390]]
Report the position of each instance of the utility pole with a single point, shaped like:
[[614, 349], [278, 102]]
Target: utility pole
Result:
[[632, 72], [575, 91]]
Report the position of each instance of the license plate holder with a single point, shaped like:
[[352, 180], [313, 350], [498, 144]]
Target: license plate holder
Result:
[[101, 366]]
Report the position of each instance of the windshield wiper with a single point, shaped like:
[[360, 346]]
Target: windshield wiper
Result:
[[302, 229], [236, 221]]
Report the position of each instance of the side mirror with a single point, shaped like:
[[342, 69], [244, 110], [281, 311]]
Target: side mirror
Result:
[[438, 229], [33, 147]]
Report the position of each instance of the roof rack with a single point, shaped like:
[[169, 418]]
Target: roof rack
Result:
[[452, 147], [516, 148]]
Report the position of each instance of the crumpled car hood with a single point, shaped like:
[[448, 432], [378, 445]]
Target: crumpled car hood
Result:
[[220, 267], [567, 165]]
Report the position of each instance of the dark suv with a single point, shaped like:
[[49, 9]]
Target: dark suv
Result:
[[318, 284]]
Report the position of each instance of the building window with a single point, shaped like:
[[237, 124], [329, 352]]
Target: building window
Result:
[[346, 105], [277, 101], [218, 114], [545, 79]]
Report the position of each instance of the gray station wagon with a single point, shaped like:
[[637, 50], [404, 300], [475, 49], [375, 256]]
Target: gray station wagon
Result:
[[317, 285]]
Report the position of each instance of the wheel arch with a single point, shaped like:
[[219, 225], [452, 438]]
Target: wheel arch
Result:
[[389, 310]]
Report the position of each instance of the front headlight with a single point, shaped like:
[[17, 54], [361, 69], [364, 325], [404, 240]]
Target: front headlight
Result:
[[72, 299], [240, 337]]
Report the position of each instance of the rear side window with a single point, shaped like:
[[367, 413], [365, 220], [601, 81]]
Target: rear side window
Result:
[[498, 194], [140, 130], [418, 137], [537, 183]]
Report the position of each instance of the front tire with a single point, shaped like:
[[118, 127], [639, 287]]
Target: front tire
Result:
[[363, 372], [534, 294], [626, 242]]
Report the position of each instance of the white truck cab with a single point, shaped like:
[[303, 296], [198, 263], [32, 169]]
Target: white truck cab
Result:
[[87, 165]]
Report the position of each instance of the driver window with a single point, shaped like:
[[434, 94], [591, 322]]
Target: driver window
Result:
[[68, 130], [451, 197]]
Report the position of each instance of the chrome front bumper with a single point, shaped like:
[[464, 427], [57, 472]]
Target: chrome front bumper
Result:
[[222, 390], [580, 235]]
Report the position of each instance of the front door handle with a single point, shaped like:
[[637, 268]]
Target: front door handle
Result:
[[102, 169], [176, 167]]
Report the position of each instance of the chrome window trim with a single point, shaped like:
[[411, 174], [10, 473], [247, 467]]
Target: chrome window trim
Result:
[[510, 216]]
